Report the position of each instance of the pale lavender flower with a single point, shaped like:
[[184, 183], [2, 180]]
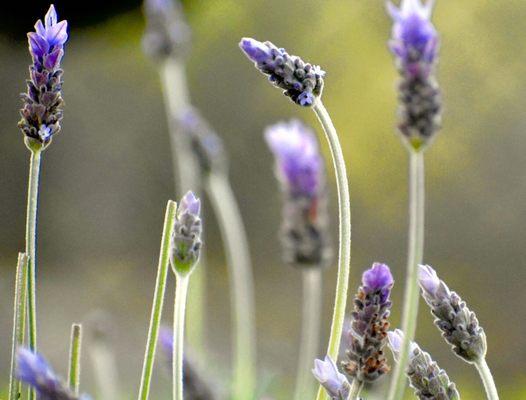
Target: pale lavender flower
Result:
[[334, 382], [367, 334], [42, 113], [427, 379], [186, 237], [301, 81], [414, 44], [459, 325]]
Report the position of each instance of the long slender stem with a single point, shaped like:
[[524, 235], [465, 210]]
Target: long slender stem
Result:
[[344, 253], [158, 298], [487, 379], [19, 316], [241, 281], [356, 388], [181, 291], [415, 256], [104, 369], [74, 358], [310, 332]]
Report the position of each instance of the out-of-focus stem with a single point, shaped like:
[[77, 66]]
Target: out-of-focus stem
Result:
[[415, 256], [74, 358], [105, 370], [487, 379], [237, 252], [181, 291], [158, 299], [356, 388], [344, 253], [310, 332], [19, 317]]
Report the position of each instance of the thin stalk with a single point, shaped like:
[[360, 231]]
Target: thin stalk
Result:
[[344, 252], [415, 256], [241, 282], [356, 388], [158, 298], [74, 358], [181, 292], [186, 175], [19, 317], [487, 379], [105, 370], [310, 332]]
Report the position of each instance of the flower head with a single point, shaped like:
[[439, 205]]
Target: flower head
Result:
[[334, 382], [428, 279], [42, 113], [302, 82]]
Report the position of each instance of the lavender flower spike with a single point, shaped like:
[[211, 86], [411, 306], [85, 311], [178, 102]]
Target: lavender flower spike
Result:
[[425, 376], [186, 238], [459, 325], [42, 113], [36, 372], [414, 44], [302, 82], [368, 332], [334, 382]]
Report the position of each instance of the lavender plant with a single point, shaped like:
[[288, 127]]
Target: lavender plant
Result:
[[305, 233], [332, 380], [459, 325], [303, 83], [414, 44], [427, 379]]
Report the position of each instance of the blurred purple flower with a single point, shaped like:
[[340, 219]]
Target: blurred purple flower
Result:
[[334, 382], [428, 279]]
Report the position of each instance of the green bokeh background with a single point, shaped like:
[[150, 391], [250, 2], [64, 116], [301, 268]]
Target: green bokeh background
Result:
[[107, 177]]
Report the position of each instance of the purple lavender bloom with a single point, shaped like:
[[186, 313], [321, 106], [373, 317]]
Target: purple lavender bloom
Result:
[[334, 382], [42, 113], [368, 332], [34, 370], [427, 379], [459, 325], [186, 237], [302, 82], [414, 44]]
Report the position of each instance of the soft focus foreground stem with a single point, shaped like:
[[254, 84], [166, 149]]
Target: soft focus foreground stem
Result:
[[356, 388], [74, 358], [310, 332], [415, 256], [235, 241], [344, 253], [158, 297], [487, 379], [181, 291], [19, 317], [176, 100]]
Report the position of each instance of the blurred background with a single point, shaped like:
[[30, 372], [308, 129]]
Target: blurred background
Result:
[[107, 177]]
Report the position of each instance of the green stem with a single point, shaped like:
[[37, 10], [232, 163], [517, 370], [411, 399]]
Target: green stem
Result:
[[104, 369], [19, 317], [415, 256], [356, 388], [237, 252], [181, 291], [487, 379], [74, 358], [310, 332], [158, 298], [344, 253]]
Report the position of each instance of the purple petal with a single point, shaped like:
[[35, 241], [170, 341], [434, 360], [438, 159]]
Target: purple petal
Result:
[[51, 16], [255, 50], [57, 34], [378, 277], [38, 46], [190, 204], [428, 279], [52, 60]]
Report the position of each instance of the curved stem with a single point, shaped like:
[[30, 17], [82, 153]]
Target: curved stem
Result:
[[356, 388], [19, 317], [237, 252], [74, 358], [158, 298], [344, 253], [310, 332], [487, 379], [181, 291], [415, 256]]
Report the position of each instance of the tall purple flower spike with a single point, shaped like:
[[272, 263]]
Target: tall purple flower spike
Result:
[[414, 44], [34, 370], [368, 332], [334, 382], [42, 113], [459, 325], [301, 81], [300, 171]]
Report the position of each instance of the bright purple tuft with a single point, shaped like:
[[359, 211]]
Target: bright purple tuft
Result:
[[190, 204], [255, 50], [378, 277]]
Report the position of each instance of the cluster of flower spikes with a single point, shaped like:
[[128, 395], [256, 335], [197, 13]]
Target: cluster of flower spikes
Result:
[[301, 81], [414, 44], [369, 326], [42, 113]]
